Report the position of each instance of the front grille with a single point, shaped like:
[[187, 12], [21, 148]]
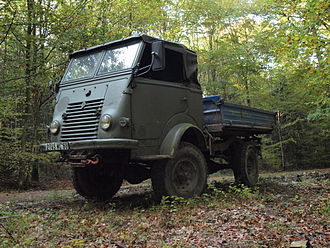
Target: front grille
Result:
[[81, 120]]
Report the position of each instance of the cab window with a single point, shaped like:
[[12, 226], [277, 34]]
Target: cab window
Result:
[[174, 69]]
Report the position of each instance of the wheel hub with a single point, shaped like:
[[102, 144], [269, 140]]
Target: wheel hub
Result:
[[185, 176]]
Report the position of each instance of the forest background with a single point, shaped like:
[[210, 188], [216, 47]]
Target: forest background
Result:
[[269, 54]]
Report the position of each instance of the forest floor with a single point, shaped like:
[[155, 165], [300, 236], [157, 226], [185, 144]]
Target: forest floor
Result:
[[287, 209]]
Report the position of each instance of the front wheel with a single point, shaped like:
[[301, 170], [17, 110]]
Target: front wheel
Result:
[[185, 175], [98, 183], [245, 164]]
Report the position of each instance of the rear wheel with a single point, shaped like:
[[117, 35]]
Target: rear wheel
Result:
[[99, 182], [245, 164], [185, 175]]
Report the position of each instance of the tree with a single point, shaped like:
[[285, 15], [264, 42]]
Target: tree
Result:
[[264, 53]]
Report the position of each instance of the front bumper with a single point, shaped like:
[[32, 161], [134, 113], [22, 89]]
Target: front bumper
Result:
[[89, 145]]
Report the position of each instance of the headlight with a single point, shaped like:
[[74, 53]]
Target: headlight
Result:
[[54, 127], [105, 122]]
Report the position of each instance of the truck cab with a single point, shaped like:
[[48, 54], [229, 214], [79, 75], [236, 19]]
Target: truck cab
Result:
[[127, 103], [132, 109]]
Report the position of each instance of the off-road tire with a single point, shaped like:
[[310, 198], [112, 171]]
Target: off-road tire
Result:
[[245, 163], [97, 183], [185, 175]]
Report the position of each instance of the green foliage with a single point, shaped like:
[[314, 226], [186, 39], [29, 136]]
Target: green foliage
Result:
[[241, 192], [213, 197], [10, 221]]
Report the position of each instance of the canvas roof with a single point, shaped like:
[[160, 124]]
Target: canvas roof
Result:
[[189, 56]]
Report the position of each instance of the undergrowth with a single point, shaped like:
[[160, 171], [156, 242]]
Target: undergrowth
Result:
[[212, 219]]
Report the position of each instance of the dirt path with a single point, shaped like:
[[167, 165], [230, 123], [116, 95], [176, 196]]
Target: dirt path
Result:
[[48, 195], [34, 195], [69, 192]]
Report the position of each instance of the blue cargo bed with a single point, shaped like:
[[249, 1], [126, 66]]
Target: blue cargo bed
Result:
[[223, 118]]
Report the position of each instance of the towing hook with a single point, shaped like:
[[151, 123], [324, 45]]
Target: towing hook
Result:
[[93, 161]]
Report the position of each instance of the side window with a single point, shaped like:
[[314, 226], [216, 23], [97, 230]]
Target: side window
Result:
[[174, 69]]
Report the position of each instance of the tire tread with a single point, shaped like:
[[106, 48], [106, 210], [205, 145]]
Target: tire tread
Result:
[[158, 171]]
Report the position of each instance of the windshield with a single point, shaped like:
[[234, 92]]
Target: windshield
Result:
[[83, 66], [118, 59], [113, 60]]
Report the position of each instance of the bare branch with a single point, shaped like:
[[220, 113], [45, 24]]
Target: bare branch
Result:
[[7, 231], [8, 30], [18, 39]]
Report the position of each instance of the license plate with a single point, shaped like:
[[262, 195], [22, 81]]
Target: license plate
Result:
[[57, 146]]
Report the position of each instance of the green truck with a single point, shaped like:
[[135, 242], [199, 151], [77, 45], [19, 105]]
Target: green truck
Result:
[[132, 109]]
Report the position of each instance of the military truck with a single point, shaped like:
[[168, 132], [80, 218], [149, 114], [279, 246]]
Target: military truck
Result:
[[132, 109]]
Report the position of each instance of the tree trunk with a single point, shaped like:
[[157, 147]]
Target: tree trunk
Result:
[[28, 119]]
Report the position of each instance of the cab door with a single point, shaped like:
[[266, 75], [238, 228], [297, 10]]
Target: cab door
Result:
[[158, 96], [154, 103]]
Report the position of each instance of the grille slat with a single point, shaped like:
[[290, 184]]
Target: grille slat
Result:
[[80, 134], [87, 110], [81, 115], [81, 120], [78, 127], [78, 107], [74, 123], [78, 138], [69, 132]]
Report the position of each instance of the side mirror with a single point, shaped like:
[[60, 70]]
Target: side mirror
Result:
[[158, 53]]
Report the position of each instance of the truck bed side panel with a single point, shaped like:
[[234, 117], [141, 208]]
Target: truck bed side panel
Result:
[[234, 119]]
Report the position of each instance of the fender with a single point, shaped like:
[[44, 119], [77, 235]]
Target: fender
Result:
[[182, 131]]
